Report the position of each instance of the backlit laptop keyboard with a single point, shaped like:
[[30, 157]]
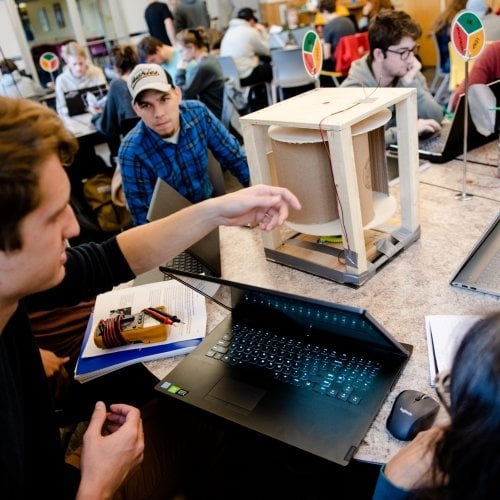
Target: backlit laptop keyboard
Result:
[[324, 370]]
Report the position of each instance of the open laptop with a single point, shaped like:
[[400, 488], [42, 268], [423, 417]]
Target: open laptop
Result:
[[480, 271], [309, 373], [449, 142], [76, 100], [298, 34], [203, 257], [278, 40]]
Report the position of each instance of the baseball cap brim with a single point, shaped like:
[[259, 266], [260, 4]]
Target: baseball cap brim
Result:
[[161, 87]]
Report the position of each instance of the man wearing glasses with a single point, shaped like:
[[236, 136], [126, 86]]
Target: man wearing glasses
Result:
[[392, 62]]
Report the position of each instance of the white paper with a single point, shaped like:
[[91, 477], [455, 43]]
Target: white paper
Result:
[[444, 333], [178, 300]]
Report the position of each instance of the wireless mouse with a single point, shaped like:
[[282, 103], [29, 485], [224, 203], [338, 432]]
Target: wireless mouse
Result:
[[411, 413]]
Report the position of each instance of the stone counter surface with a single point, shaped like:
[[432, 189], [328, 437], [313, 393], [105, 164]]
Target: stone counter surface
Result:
[[415, 283]]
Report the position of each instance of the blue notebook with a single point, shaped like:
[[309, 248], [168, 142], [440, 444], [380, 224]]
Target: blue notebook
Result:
[[96, 366]]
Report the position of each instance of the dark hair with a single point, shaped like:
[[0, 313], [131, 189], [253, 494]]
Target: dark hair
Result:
[[466, 460], [247, 14], [328, 5], [148, 46], [196, 36], [378, 5], [125, 58], [389, 26], [30, 134], [7, 66]]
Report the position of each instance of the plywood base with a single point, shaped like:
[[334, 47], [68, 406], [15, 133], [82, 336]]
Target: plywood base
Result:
[[328, 260]]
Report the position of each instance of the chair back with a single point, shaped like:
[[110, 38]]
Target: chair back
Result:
[[298, 35], [289, 70], [350, 48], [229, 69]]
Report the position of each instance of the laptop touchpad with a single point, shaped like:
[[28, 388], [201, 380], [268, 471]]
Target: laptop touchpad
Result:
[[236, 395]]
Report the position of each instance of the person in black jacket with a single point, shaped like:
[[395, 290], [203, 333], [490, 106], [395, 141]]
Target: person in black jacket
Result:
[[160, 21], [37, 269]]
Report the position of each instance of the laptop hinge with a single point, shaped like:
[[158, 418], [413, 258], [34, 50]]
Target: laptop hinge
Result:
[[352, 450]]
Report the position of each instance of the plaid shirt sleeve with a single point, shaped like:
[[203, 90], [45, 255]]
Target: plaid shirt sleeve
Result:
[[211, 133]]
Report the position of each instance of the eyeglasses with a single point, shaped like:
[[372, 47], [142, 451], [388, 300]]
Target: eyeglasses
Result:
[[405, 53], [443, 389]]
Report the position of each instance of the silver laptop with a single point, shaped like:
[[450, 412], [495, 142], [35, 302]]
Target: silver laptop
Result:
[[298, 34], [480, 271], [278, 40]]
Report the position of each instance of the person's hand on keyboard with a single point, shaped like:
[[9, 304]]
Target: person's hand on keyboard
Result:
[[427, 127]]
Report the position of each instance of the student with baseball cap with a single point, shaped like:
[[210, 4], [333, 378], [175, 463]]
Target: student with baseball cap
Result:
[[172, 141]]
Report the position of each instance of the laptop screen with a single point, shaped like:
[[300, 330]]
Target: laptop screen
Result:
[[76, 100], [281, 309], [166, 201]]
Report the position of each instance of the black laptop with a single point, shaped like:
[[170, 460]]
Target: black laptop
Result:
[[305, 372], [449, 142], [480, 270], [76, 100], [203, 257]]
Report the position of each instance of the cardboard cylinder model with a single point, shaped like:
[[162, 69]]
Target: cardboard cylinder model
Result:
[[302, 165]]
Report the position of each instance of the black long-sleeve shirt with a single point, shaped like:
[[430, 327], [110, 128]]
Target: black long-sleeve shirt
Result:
[[31, 455]]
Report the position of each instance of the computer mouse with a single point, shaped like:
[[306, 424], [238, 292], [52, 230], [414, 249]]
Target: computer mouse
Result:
[[412, 412]]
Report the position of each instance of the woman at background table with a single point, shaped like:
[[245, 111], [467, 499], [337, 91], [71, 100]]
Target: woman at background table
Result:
[[78, 73], [14, 84], [486, 70], [370, 9]]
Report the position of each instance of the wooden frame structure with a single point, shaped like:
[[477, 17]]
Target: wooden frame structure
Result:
[[336, 112]]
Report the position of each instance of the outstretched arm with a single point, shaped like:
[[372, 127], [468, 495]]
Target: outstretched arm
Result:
[[149, 245]]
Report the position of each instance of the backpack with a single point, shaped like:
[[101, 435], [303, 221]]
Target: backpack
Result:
[[110, 216]]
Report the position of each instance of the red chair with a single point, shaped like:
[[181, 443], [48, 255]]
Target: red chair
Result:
[[350, 48]]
